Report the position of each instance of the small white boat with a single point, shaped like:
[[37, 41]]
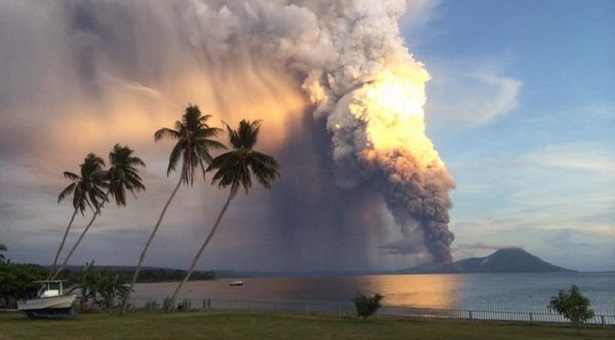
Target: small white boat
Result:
[[236, 283], [50, 301]]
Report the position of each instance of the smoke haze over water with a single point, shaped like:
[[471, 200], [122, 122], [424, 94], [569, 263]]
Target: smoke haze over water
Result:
[[340, 96]]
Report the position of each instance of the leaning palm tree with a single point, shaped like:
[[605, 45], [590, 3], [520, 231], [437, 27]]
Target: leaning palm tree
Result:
[[87, 190], [122, 176], [194, 140], [235, 169]]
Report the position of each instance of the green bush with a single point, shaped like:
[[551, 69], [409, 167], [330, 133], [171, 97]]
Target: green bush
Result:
[[366, 305], [16, 282], [151, 305], [572, 305], [168, 305]]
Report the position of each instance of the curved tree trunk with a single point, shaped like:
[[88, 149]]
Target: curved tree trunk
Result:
[[57, 272], [87, 227], [55, 260], [149, 241], [203, 246]]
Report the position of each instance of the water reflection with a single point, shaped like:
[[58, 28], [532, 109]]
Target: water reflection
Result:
[[398, 290], [415, 290], [504, 290]]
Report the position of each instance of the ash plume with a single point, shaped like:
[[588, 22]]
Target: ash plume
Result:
[[353, 66]]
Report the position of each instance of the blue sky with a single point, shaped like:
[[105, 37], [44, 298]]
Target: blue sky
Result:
[[528, 130], [520, 106]]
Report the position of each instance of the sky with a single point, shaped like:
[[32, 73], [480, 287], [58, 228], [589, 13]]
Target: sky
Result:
[[519, 107]]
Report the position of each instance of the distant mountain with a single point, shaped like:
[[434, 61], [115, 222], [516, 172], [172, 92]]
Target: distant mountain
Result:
[[508, 260]]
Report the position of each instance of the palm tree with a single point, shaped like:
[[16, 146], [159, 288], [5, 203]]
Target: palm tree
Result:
[[110, 287], [87, 284], [194, 140], [235, 169], [122, 176], [2, 248], [86, 189]]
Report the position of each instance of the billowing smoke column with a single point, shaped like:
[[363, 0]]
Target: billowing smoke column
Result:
[[355, 69], [388, 142], [378, 129]]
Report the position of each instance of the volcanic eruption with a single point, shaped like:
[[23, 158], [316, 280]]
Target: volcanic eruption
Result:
[[340, 95], [372, 95], [349, 62]]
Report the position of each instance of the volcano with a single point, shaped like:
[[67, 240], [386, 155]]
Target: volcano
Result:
[[507, 260]]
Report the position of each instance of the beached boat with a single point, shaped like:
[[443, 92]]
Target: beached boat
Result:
[[236, 283], [51, 301]]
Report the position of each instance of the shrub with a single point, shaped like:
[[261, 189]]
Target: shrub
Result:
[[366, 305], [151, 305], [16, 282], [168, 305], [572, 305]]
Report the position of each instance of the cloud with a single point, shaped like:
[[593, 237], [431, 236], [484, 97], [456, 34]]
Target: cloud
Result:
[[468, 94], [482, 246], [565, 238], [573, 182], [478, 249], [568, 184], [606, 230], [601, 109], [523, 221], [418, 13], [140, 89], [584, 156]]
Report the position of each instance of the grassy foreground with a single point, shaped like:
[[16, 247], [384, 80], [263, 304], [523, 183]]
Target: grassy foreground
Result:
[[258, 326]]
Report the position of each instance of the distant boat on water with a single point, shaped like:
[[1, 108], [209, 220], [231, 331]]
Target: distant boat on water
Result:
[[236, 283]]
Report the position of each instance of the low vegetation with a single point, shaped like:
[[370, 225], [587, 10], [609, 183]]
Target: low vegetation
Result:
[[16, 281], [147, 275], [2, 248], [271, 327], [367, 305], [97, 287], [573, 306]]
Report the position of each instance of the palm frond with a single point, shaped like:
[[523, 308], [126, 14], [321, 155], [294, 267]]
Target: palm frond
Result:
[[193, 143], [248, 133], [265, 168], [235, 168], [80, 199], [86, 187], [212, 144], [66, 192], [71, 176], [119, 195], [174, 157], [166, 133], [123, 174]]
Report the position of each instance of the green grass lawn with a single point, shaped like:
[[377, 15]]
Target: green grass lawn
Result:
[[259, 326]]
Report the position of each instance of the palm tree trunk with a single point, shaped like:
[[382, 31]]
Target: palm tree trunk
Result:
[[57, 272], [87, 227], [149, 241], [55, 260], [203, 246]]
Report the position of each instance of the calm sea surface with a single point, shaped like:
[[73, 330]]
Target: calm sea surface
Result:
[[443, 290]]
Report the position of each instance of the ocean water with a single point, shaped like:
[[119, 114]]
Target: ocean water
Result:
[[527, 290]]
